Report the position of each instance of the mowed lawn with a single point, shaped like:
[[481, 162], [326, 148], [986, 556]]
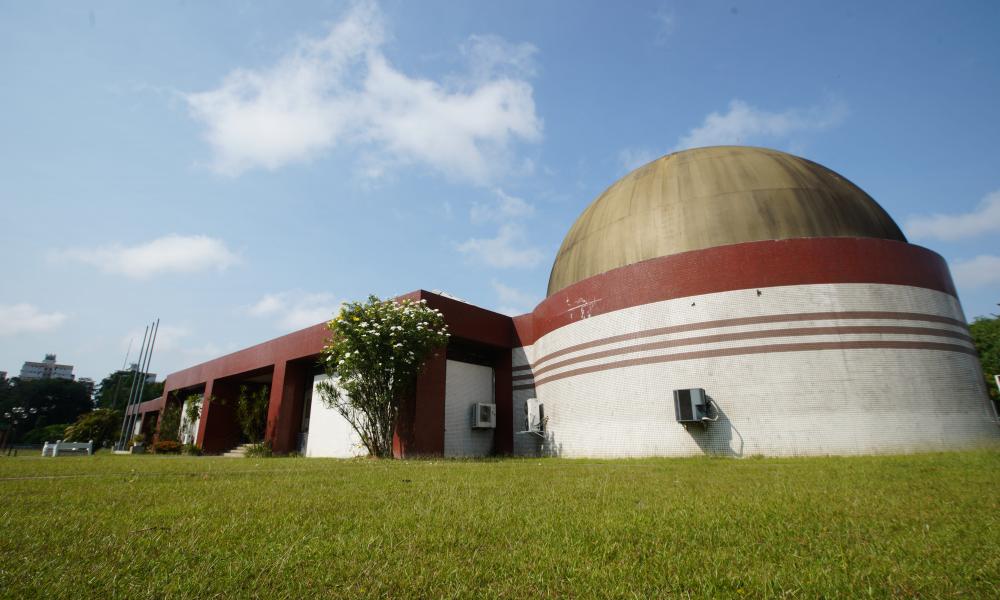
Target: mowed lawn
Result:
[[170, 527]]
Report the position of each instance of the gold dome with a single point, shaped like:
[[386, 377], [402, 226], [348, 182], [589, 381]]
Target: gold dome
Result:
[[716, 196]]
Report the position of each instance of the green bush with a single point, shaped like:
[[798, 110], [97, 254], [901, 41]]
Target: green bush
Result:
[[251, 411], [170, 423], [49, 433], [102, 425], [167, 447], [986, 336], [192, 450], [262, 450], [373, 356]]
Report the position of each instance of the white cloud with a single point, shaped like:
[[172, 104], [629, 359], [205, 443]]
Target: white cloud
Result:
[[296, 309], [981, 271], [168, 254], [512, 301], [633, 158], [509, 248], [666, 22], [505, 207], [491, 56], [744, 123], [341, 89], [984, 219], [26, 318]]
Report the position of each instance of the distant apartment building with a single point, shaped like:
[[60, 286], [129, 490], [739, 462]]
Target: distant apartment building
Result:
[[47, 369]]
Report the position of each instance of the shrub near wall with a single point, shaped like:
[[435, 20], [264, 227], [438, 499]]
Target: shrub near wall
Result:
[[170, 423], [103, 426], [167, 447], [373, 357]]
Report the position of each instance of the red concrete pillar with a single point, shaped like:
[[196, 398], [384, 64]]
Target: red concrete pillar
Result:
[[219, 430], [503, 395], [199, 438], [284, 412], [427, 436]]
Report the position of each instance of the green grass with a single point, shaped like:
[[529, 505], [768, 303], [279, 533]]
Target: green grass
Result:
[[170, 527]]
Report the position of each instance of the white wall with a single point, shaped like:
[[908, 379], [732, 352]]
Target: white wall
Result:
[[330, 434], [829, 401], [466, 385]]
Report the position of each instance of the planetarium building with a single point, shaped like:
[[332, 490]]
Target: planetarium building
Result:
[[725, 300]]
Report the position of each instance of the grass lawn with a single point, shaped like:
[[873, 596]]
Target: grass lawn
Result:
[[145, 526]]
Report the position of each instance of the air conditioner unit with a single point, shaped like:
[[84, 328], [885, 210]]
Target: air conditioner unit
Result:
[[534, 415], [484, 416], [691, 406]]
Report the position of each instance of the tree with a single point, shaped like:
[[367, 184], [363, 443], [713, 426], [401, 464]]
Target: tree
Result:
[[251, 411], [113, 391], [170, 423], [48, 433], [376, 350], [31, 404], [102, 425], [986, 336]]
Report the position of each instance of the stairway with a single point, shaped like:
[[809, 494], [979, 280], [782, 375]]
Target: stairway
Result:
[[238, 451]]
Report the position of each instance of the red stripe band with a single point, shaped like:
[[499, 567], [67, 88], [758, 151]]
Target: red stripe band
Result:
[[763, 349], [759, 320]]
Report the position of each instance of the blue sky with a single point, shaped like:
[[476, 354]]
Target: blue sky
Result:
[[239, 169]]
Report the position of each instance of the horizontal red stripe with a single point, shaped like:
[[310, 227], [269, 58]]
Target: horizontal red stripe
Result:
[[750, 266], [764, 349], [758, 320], [759, 334]]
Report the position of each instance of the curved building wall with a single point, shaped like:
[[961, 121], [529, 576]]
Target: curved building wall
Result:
[[822, 366]]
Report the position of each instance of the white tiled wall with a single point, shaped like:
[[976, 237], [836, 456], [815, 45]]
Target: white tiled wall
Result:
[[330, 434], [850, 401], [465, 386]]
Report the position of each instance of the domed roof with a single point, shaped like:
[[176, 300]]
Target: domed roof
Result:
[[708, 197]]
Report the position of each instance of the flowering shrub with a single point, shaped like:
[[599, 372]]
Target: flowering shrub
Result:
[[376, 350], [167, 447]]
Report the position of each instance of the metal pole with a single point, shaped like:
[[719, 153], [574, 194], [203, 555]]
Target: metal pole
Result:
[[145, 372], [134, 398], [118, 380], [121, 439], [127, 352]]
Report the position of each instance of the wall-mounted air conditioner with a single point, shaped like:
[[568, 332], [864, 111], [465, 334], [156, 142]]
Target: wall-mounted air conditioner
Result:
[[484, 416], [691, 406], [534, 413]]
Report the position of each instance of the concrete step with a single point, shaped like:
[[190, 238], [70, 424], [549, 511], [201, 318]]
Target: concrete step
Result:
[[238, 452]]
